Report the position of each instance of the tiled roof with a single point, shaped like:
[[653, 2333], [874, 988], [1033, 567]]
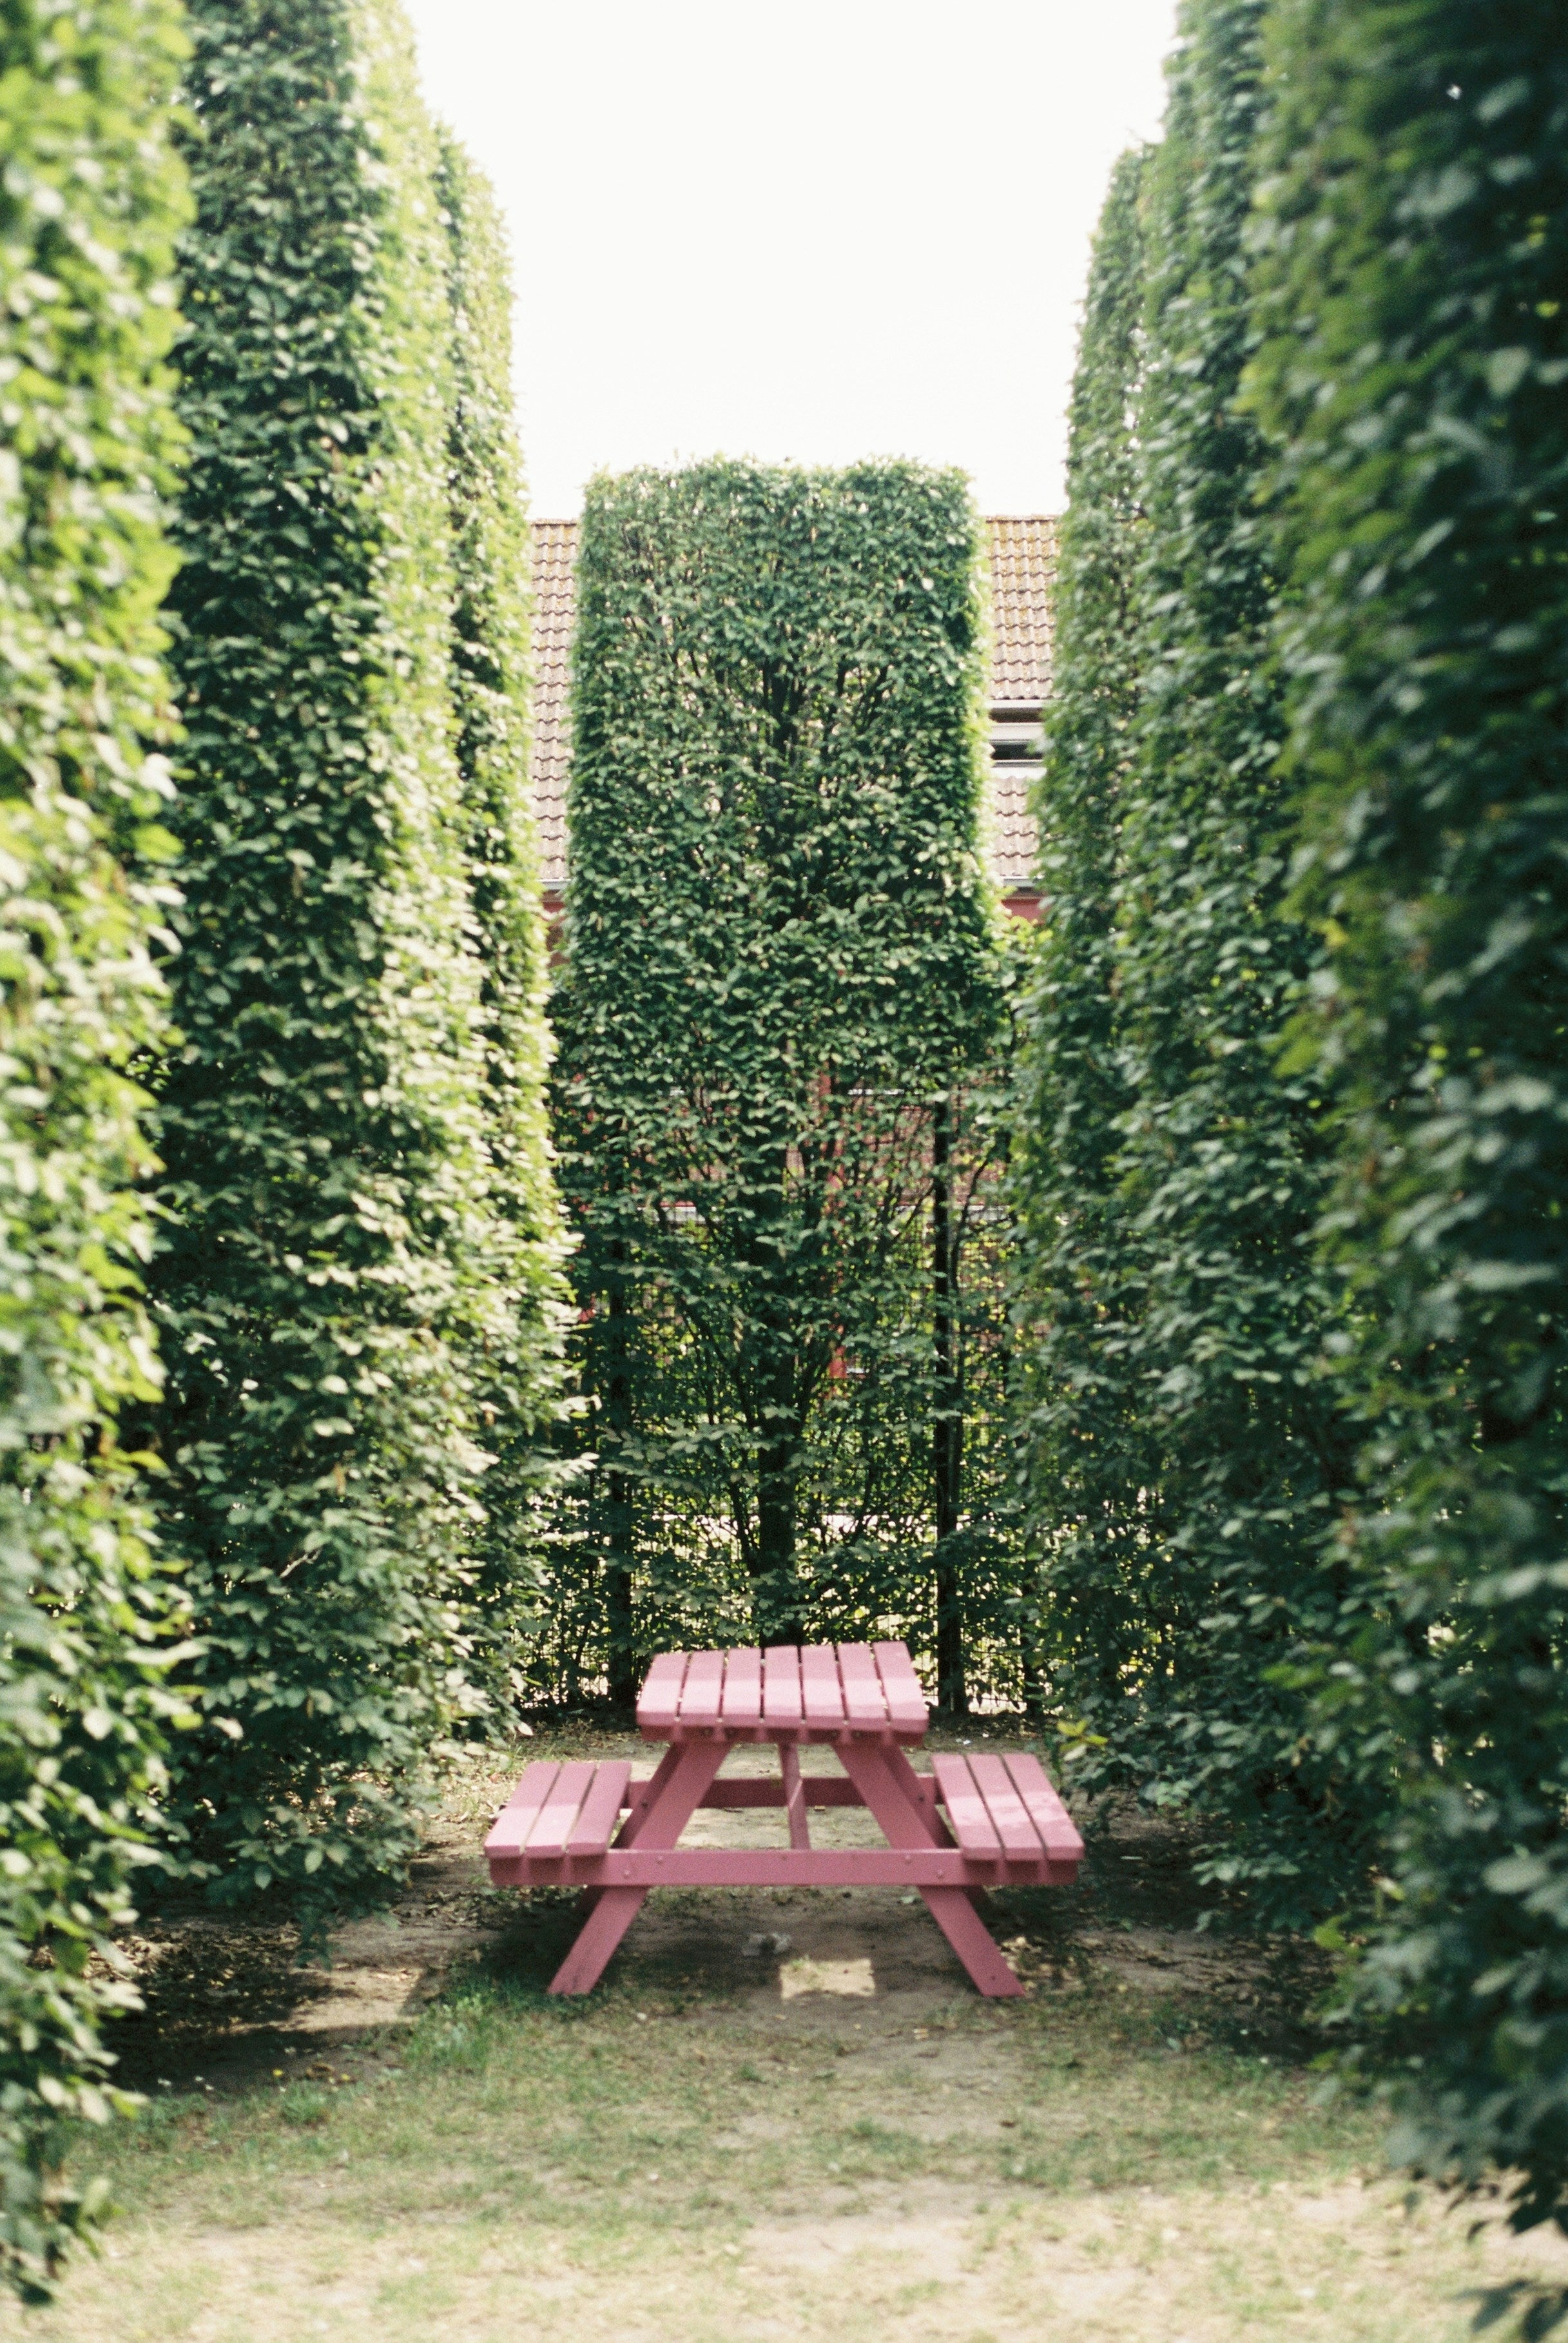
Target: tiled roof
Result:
[[1013, 837], [1023, 565], [1022, 557], [554, 589]]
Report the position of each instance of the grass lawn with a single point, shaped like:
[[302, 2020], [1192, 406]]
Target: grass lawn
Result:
[[828, 2136]]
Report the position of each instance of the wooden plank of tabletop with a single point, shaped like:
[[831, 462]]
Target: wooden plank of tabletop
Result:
[[702, 1691], [865, 1704], [906, 1701], [820, 1689], [781, 1686], [659, 1703], [742, 1705]]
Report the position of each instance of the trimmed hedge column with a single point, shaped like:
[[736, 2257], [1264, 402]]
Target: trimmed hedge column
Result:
[[516, 1361], [1078, 1416], [780, 961], [1222, 1161], [332, 1265], [90, 204], [1414, 301], [1215, 1445]]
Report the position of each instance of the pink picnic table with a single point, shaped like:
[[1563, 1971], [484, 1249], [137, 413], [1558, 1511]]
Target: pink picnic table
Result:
[[973, 1821]]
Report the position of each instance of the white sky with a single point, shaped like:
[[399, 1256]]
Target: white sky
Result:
[[820, 230]]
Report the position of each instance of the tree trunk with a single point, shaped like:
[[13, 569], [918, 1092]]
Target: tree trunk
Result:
[[770, 1354], [947, 1425], [621, 1528], [1034, 1684], [776, 1594]]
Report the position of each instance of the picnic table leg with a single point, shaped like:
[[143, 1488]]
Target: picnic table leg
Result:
[[681, 1787], [794, 1795], [646, 1794], [905, 1822], [643, 1794], [615, 1909], [972, 1941]]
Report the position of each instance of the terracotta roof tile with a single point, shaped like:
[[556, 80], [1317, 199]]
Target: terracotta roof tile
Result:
[[1022, 553], [1022, 566], [1013, 837], [554, 560]]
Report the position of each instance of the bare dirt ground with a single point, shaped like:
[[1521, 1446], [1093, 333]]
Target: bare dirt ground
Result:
[[782, 2116], [225, 1998]]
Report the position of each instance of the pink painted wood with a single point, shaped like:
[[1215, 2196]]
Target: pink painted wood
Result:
[[703, 1692], [781, 1704], [815, 1789], [516, 1818], [614, 1911], [794, 1795], [600, 1809], [900, 1687], [977, 1834], [761, 1867], [865, 1710], [742, 1689], [552, 1825], [1014, 1827], [1056, 1830], [659, 1703], [821, 1691], [976, 1819], [821, 1694], [879, 1774]]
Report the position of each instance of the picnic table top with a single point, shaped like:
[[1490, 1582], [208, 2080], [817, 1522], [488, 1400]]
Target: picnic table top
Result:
[[784, 1691]]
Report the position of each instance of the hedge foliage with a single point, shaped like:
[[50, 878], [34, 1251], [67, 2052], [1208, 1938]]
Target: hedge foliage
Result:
[[781, 970], [90, 205], [1072, 1414], [1183, 1581], [1414, 301], [517, 1362], [1293, 1153], [347, 1121]]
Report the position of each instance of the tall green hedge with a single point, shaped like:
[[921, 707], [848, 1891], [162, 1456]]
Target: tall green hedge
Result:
[[90, 203], [1188, 1582], [517, 1357], [1413, 298], [1074, 1417], [333, 1285], [780, 969]]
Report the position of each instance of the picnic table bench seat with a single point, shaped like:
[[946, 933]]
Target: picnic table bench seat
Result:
[[562, 1827], [978, 1819]]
